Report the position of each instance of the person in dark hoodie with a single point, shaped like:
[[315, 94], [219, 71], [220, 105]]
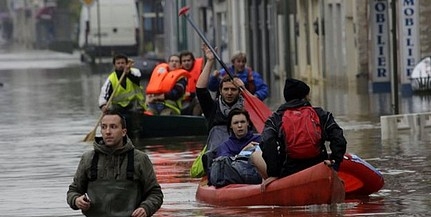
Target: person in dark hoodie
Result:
[[115, 179], [294, 136]]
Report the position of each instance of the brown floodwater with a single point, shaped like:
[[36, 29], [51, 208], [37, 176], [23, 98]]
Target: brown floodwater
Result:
[[48, 103]]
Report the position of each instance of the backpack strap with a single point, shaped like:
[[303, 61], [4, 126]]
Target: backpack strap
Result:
[[250, 86], [323, 122], [278, 122], [282, 155], [130, 164], [93, 168]]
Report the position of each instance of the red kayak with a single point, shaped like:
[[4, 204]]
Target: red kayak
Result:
[[316, 185], [360, 178]]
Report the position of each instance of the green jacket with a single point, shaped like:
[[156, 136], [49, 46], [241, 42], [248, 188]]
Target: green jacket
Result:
[[112, 166]]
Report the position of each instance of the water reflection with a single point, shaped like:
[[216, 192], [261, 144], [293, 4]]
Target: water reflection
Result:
[[46, 112], [172, 158]]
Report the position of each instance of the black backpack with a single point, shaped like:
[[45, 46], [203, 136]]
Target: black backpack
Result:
[[233, 170]]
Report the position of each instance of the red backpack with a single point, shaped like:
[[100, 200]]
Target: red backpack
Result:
[[302, 132]]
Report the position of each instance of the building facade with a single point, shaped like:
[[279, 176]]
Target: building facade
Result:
[[341, 43], [324, 42]]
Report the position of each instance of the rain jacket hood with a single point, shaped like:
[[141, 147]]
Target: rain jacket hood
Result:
[[99, 145], [111, 173]]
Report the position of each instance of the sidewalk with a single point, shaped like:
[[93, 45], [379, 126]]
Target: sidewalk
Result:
[[15, 57], [16, 52]]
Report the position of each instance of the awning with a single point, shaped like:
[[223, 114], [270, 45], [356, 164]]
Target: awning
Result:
[[4, 15], [45, 13]]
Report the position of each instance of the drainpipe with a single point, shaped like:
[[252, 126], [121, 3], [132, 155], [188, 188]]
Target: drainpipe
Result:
[[394, 77], [141, 44], [290, 56], [99, 39]]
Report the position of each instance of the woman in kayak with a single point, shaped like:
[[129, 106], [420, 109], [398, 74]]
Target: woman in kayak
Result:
[[232, 165]]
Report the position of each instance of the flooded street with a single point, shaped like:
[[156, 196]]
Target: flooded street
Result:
[[48, 103]]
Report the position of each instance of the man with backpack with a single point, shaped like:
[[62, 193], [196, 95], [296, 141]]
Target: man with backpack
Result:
[[293, 138], [253, 81]]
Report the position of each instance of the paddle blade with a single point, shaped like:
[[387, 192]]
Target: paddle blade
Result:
[[259, 112], [90, 136], [183, 11], [351, 182]]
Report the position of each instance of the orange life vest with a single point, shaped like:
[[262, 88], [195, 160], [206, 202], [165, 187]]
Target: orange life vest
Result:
[[195, 72], [162, 80]]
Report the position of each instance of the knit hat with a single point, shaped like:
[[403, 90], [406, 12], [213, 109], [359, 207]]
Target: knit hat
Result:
[[295, 89]]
